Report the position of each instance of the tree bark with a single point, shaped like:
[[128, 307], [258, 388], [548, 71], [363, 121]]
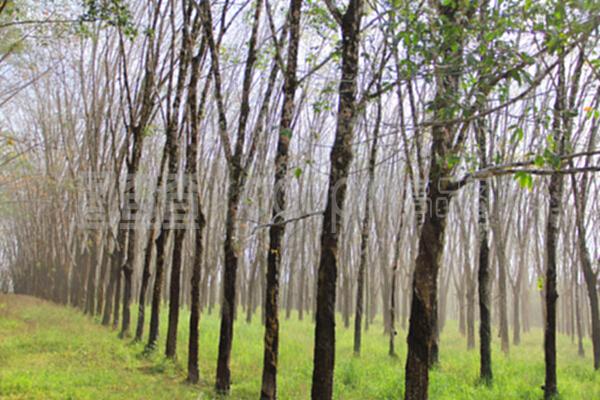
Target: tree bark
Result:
[[364, 241], [590, 276], [552, 224], [175, 293], [114, 260], [516, 316], [470, 314], [423, 310], [277, 229], [146, 272], [483, 278], [192, 170], [341, 157]]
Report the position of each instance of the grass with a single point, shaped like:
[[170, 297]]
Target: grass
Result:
[[53, 352]]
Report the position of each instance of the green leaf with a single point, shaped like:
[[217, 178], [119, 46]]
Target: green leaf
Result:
[[539, 161], [517, 135], [453, 160], [571, 113], [551, 142], [286, 133], [551, 158], [298, 172], [525, 180]]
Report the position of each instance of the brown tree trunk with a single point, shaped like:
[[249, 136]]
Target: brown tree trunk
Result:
[[341, 156], [92, 271], [516, 316], [251, 306], [114, 260], [591, 284], [394, 272], [193, 370], [590, 276], [172, 150], [161, 249], [364, 240], [175, 293], [301, 287], [552, 223], [483, 278], [392, 347], [190, 31], [423, 310], [104, 270], [237, 170], [199, 220], [146, 272], [117, 297], [276, 230], [580, 349], [462, 327], [405, 300], [503, 302], [470, 314]]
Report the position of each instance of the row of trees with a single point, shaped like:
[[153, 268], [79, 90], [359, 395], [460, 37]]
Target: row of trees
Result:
[[414, 158]]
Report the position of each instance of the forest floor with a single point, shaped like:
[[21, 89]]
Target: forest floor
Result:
[[54, 352]]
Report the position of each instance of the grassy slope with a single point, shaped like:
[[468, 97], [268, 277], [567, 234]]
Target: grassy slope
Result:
[[51, 352]]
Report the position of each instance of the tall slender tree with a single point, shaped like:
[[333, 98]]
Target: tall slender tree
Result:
[[555, 190], [276, 230], [341, 156]]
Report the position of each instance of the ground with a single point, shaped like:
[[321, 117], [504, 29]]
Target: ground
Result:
[[53, 352]]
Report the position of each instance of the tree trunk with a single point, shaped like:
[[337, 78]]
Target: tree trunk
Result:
[[470, 314], [92, 269], [462, 327], [580, 349], [423, 309], [552, 223], [161, 249], [146, 272], [341, 157], [104, 270], [193, 370], [114, 260], [364, 240], [516, 317], [175, 292], [483, 277], [277, 230], [117, 299], [589, 275], [199, 220], [502, 293], [392, 350]]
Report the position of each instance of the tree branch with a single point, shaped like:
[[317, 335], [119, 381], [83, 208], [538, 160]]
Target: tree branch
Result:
[[287, 221], [512, 168], [335, 12]]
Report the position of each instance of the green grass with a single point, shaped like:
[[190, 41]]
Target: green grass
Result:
[[52, 352]]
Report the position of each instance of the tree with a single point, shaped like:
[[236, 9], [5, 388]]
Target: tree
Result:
[[276, 230], [555, 190], [178, 67], [190, 32], [195, 116], [341, 156], [237, 165], [423, 311], [364, 238]]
